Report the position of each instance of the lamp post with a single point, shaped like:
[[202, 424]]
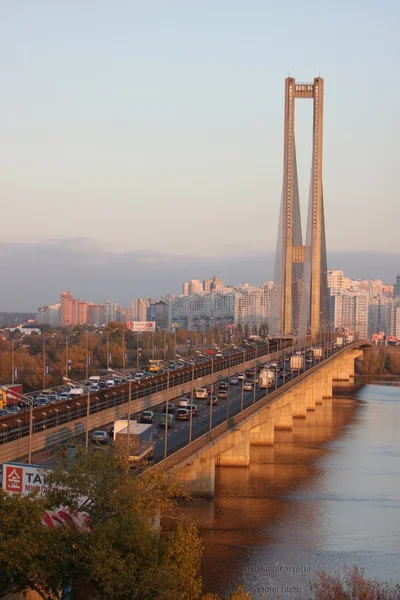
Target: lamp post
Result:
[[28, 402], [67, 380], [166, 418], [87, 355], [123, 351], [13, 342], [211, 397], [191, 407], [129, 416], [242, 394], [44, 359]]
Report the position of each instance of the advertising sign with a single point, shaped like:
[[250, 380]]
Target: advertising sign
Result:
[[69, 365], [89, 360], [15, 373], [47, 368], [141, 326], [21, 478]]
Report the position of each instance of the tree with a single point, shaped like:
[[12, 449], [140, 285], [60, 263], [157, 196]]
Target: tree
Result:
[[120, 555]]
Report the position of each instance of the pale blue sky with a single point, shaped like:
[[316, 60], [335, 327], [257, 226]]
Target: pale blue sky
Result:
[[159, 124]]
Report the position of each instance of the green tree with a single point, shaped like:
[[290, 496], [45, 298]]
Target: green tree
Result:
[[121, 555]]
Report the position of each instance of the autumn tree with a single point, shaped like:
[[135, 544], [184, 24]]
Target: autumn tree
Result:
[[120, 554]]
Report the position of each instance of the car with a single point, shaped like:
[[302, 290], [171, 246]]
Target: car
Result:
[[195, 411], [219, 355], [94, 388], [223, 385], [255, 379], [100, 437], [201, 394], [170, 421], [41, 401], [240, 376], [222, 394], [184, 402], [110, 383], [147, 416], [102, 384], [171, 408], [180, 365], [210, 389], [249, 373], [13, 410], [212, 400], [64, 396], [182, 414], [139, 375], [3, 412], [247, 386], [110, 431], [53, 397], [234, 381]]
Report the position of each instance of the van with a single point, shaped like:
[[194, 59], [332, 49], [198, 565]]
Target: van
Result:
[[95, 379], [75, 392]]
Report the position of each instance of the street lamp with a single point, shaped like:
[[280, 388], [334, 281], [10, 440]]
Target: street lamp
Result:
[[108, 348], [29, 402], [166, 418], [191, 407], [255, 370], [67, 380], [13, 342], [44, 359], [211, 398], [242, 394]]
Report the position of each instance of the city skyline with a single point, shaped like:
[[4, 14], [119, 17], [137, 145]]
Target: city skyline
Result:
[[368, 307], [92, 272], [90, 123]]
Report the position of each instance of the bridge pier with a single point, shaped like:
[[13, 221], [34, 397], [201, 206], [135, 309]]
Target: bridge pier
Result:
[[283, 414], [299, 402], [318, 388], [239, 454], [310, 397], [199, 477], [327, 384], [262, 428]]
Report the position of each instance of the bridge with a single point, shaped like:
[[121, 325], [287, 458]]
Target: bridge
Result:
[[228, 444]]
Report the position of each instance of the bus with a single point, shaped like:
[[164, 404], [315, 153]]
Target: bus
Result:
[[155, 365]]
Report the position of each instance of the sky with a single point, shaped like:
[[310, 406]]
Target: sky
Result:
[[157, 126]]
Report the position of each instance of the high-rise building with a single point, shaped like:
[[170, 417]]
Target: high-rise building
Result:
[[49, 315], [212, 284], [382, 315], [67, 309], [397, 287], [139, 309], [349, 310], [335, 279]]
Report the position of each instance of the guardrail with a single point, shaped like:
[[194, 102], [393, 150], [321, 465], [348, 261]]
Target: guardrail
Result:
[[13, 427]]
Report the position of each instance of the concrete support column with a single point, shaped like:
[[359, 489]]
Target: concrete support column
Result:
[[327, 385], [350, 367], [318, 388], [299, 403], [310, 396], [199, 477], [283, 414], [264, 433], [239, 455]]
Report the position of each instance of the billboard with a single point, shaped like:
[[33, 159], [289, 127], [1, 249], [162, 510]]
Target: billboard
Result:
[[141, 326], [21, 478]]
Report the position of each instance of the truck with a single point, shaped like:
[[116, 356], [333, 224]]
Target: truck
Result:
[[211, 351], [317, 352], [349, 338], [141, 442], [296, 362], [10, 394], [266, 378], [339, 342]]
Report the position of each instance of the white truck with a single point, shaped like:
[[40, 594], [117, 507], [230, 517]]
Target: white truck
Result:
[[266, 379], [141, 443], [317, 352], [339, 342], [296, 362], [349, 338]]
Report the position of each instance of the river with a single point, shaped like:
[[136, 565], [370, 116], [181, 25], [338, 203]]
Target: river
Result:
[[325, 495]]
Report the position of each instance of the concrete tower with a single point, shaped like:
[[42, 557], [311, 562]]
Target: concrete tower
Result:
[[300, 297]]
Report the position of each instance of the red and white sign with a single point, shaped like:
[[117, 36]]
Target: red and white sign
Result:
[[23, 479], [142, 326]]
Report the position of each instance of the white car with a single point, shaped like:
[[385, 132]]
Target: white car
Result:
[[201, 394], [247, 386], [184, 402], [139, 375]]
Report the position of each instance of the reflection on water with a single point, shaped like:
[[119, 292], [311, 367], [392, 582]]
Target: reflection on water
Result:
[[325, 495]]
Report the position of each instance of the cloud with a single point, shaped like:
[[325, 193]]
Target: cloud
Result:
[[34, 274]]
